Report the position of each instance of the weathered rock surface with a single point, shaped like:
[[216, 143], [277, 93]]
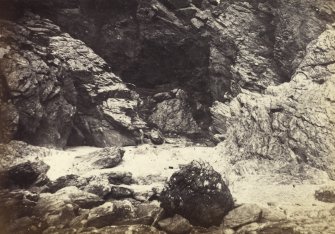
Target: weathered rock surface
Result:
[[174, 115], [26, 174], [177, 225], [325, 194], [290, 125], [100, 159], [212, 49], [136, 229], [63, 93], [121, 213], [198, 193], [242, 215]]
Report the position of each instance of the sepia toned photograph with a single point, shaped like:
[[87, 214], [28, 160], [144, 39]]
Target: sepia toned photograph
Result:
[[167, 116]]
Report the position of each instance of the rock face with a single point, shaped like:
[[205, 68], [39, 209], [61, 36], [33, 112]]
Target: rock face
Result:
[[174, 114], [198, 193], [291, 124], [211, 49], [55, 88]]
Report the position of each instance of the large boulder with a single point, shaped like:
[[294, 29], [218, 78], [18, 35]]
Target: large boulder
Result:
[[198, 193]]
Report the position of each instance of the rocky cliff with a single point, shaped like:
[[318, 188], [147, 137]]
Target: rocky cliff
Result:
[[55, 91], [290, 124], [209, 49]]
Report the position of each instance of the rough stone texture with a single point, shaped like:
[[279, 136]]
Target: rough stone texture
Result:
[[16, 152], [136, 229], [176, 225], [156, 137], [100, 159], [223, 45], [198, 193], [289, 125], [212, 49], [242, 215], [325, 194], [16, 211], [120, 213], [61, 89], [26, 174], [60, 208], [174, 116]]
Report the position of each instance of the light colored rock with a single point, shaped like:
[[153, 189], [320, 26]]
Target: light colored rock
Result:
[[176, 225], [242, 215], [290, 126]]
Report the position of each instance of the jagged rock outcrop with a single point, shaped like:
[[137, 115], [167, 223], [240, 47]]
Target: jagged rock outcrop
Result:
[[57, 91], [211, 49], [291, 124]]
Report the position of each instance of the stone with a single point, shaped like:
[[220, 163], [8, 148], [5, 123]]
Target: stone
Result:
[[118, 178], [174, 116], [16, 204], [26, 174], [118, 192], [100, 159], [156, 137], [242, 215], [110, 213], [198, 193], [107, 158], [272, 215], [177, 225], [136, 229], [9, 119], [64, 206], [325, 194], [66, 181], [65, 201]]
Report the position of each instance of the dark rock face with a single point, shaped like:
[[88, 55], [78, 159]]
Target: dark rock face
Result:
[[57, 88], [198, 193]]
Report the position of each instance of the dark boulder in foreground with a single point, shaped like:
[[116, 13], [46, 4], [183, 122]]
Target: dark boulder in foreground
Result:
[[198, 193], [26, 174]]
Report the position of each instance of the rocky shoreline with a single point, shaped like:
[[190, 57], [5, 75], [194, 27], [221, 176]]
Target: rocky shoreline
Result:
[[116, 198]]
